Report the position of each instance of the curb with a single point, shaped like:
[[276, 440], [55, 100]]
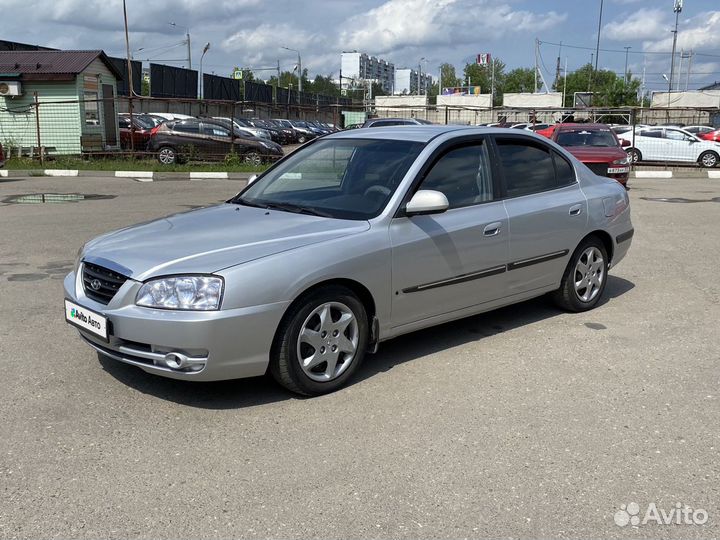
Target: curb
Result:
[[138, 176], [653, 174]]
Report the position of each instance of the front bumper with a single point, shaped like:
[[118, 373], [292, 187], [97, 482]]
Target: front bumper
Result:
[[223, 344]]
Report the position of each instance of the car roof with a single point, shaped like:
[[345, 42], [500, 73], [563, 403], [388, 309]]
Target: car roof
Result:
[[424, 133], [574, 126]]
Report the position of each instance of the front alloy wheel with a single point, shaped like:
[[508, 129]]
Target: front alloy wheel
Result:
[[321, 341]]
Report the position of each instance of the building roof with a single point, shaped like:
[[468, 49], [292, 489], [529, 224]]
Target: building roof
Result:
[[49, 65], [713, 86]]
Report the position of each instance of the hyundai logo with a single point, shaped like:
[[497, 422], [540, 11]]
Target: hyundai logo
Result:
[[95, 284]]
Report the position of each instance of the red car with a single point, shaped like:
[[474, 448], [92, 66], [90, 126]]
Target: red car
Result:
[[142, 125], [710, 135], [597, 146]]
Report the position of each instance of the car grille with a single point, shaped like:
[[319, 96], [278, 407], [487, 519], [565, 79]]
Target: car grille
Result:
[[600, 169], [106, 282]]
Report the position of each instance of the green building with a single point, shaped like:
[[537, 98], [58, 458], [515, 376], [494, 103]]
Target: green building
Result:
[[75, 92]]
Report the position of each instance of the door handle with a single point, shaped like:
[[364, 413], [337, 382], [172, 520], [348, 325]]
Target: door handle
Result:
[[576, 210], [493, 229]]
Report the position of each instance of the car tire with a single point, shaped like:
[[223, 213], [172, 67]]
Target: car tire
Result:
[[708, 159], [253, 158], [167, 155], [321, 342], [585, 277], [634, 155]]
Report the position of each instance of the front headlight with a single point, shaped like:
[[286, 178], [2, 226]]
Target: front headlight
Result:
[[623, 161], [199, 293], [266, 145], [78, 258]]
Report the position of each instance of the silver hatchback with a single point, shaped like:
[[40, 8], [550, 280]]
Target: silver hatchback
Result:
[[354, 239]]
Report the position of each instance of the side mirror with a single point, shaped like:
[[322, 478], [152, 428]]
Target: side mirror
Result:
[[625, 143], [427, 201], [252, 179]]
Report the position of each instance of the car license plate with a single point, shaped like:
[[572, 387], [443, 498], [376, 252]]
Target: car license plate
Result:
[[616, 170], [86, 319]]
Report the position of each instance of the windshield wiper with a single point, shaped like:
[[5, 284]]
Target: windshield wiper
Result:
[[289, 207], [285, 207]]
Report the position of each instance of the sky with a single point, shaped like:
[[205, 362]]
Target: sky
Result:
[[250, 33]]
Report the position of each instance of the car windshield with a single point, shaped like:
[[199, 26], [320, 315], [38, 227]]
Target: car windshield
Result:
[[298, 123], [145, 122], [339, 178], [586, 138]]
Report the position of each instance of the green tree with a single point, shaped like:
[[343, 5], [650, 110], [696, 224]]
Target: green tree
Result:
[[609, 90], [519, 80], [482, 76]]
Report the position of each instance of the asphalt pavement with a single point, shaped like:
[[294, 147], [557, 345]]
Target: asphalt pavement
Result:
[[523, 422]]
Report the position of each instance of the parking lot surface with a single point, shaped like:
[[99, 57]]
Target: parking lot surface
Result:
[[521, 422]]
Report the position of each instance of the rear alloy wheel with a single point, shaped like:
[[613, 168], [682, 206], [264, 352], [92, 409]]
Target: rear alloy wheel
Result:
[[253, 158], [585, 277], [634, 155], [302, 139], [321, 342], [708, 159], [167, 156]]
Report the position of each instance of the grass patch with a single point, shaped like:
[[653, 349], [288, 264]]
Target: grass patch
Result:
[[101, 164]]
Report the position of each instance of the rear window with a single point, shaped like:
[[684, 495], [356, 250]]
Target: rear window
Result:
[[580, 137]]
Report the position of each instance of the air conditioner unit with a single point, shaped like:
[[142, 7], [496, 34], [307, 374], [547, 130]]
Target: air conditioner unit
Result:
[[10, 88]]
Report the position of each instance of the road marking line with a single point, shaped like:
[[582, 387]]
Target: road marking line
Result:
[[653, 174], [208, 175], [134, 174], [60, 172]]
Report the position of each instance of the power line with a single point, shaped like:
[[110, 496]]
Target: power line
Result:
[[622, 51]]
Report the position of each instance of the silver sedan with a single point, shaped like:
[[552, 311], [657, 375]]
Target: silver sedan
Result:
[[354, 239]]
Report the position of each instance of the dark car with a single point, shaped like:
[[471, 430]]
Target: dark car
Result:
[[306, 133], [387, 122], [2, 156], [142, 125], [176, 141], [276, 134], [288, 133], [597, 146]]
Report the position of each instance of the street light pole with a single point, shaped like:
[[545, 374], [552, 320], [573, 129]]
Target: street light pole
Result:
[[677, 8], [202, 81], [300, 71]]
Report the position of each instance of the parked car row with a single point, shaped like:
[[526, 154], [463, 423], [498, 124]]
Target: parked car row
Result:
[[175, 138]]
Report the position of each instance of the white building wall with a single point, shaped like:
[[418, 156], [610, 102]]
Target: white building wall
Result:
[[696, 98], [528, 99], [482, 101]]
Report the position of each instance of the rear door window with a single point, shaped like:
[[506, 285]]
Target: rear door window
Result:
[[527, 166]]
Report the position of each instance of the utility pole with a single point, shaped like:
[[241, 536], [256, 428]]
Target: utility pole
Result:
[[625, 73], [187, 35], [130, 87], [677, 9], [597, 46], [537, 46], [565, 82], [557, 66]]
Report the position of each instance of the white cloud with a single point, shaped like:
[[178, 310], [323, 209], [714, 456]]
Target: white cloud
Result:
[[397, 24], [641, 24], [699, 32]]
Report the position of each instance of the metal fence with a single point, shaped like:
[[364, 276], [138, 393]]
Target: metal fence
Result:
[[653, 136], [45, 127]]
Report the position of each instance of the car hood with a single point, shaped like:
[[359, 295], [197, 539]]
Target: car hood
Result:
[[210, 239], [596, 154]]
